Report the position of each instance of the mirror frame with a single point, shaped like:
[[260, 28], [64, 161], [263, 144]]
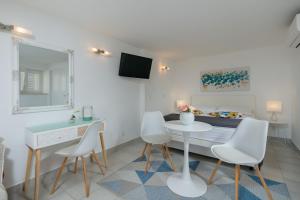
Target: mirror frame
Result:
[[16, 107]]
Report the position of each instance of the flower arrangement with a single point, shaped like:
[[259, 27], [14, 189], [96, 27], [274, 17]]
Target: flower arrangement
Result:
[[186, 114], [186, 108]]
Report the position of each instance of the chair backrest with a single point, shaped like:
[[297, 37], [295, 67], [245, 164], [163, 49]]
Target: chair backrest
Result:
[[153, 123], [89, 141], [250, 137], [2, 150]]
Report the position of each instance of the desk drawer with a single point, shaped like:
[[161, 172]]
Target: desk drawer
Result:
[[56, 137]]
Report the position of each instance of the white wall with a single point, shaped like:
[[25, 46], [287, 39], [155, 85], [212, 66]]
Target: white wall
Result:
[[296, 102], [161, 89], [270, 71], [97, 83]]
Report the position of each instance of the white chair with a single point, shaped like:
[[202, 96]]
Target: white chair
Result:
[[246, 147], [153, 132], [87, 145], [3, 193]]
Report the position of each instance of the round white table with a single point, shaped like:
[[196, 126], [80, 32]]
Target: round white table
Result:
[[185, 184]]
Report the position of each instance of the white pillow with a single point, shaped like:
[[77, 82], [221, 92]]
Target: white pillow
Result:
[[206, 109]]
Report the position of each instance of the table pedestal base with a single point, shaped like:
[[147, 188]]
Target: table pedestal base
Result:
[[193, 187]]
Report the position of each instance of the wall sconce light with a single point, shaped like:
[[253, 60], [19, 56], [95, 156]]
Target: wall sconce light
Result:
[[16, 30], [165, 68], [101, 52]]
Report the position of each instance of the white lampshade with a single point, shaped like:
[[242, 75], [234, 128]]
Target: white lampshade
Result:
[[180, 103], [274, 106]]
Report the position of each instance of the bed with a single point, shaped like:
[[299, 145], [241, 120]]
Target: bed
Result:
[[223, 128]]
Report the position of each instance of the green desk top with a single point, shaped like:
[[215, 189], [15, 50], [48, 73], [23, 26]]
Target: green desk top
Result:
[[59, 125]]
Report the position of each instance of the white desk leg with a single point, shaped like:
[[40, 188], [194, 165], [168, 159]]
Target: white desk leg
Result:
[[185, 184], [28, 169]]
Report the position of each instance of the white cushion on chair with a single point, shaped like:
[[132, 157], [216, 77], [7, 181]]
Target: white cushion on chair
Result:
[[157, 139], [87, 144], [232, 155], [3, 193], [248, 144], [66, 152]]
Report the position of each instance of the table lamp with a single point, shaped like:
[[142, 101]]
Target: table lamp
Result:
[[274, 107]]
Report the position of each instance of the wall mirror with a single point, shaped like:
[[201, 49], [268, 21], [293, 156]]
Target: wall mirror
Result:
[[42, 77]]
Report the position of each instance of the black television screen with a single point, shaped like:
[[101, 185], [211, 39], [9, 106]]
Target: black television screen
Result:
[[135, 66]]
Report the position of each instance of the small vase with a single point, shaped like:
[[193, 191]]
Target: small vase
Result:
[[187, 118], [87, 112]]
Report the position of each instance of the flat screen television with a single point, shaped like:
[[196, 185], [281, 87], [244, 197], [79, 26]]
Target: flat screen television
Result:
[[135, 66]]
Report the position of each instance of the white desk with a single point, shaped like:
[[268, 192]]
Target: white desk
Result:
[[185, 184], [39, 137]]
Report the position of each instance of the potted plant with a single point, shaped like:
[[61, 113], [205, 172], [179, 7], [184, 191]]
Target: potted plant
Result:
[[186, 114]]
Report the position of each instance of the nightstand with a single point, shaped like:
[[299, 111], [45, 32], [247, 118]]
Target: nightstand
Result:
[[276, 126]]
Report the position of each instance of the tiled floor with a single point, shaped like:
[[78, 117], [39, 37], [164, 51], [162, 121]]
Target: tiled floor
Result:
[[281, 163]]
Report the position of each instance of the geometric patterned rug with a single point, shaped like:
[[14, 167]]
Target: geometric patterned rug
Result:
[[131, 183]]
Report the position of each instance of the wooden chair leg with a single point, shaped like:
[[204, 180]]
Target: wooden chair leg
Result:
[[263, 182], [28, 169], [98, 161], [144, 150], [214, 172], [59, 172], [237, 172], [163, 151], [104, 155], [148, 158], [169, 157], [85, 178], [91, 158], [75, 165]]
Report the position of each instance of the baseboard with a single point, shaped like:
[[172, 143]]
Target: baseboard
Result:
[[120, 146], [295, 145]]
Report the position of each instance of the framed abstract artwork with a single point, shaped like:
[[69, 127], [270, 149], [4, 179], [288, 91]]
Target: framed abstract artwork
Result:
[[230, 79]]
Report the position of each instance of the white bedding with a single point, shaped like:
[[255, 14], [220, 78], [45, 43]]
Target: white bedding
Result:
[[201, 142]]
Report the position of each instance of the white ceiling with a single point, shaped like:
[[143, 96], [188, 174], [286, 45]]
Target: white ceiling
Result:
[[181, 28]]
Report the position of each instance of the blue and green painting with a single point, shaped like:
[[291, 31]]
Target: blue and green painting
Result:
[[227, 80]]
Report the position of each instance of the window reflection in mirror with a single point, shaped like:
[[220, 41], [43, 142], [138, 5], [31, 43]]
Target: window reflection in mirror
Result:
[[44, 76]]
